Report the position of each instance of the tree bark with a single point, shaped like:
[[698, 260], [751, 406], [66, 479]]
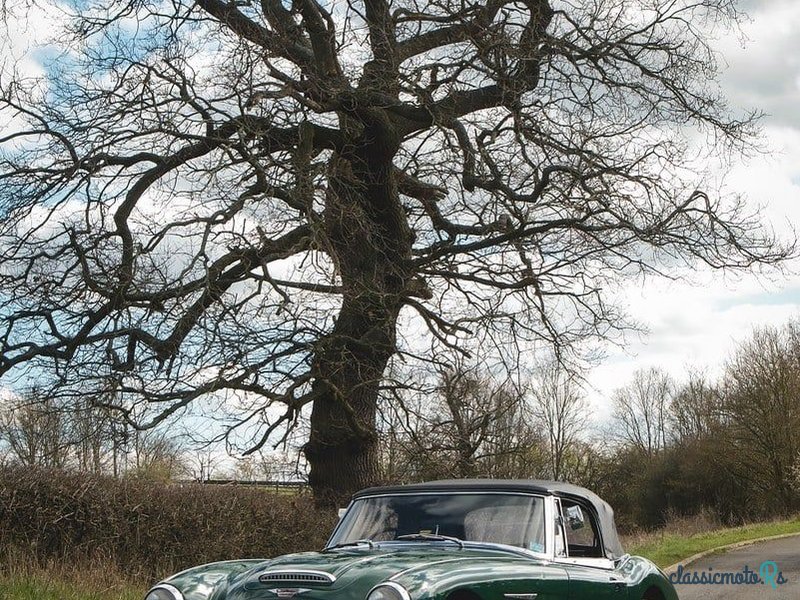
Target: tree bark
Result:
[[370, 241]]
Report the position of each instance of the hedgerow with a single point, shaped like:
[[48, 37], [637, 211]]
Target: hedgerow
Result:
[[146, 528]]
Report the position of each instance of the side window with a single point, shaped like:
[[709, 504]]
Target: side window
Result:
[[580, 529]]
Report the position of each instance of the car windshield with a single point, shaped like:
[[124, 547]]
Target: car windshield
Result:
[[511, 519]]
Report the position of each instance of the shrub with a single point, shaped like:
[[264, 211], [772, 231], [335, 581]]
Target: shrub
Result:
[[149, 529]]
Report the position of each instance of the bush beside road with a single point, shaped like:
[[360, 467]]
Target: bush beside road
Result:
[[74, 536]]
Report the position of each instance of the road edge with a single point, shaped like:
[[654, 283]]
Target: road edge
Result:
[[695, 557]]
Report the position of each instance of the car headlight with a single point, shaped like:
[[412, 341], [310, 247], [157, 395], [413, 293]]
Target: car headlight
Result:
[[164, 591], [388, 591]]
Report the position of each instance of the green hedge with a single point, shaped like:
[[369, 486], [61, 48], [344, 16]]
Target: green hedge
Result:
[[148, 529]]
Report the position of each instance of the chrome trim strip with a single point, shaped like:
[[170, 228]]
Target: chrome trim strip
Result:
[[286, 575], [604, 564], [549, 530], [521, 596], [395, 586], [176, 593]]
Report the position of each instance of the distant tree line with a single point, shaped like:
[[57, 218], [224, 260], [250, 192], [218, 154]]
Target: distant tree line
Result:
[[82, 434], [468, 425], [38, 431], [729, 446]]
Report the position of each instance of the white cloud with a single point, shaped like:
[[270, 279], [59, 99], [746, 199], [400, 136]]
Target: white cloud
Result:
[[26, 28], [691, 324], [699, 322], [763, 72]]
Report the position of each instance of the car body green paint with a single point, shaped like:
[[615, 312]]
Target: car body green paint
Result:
[[428, 570]]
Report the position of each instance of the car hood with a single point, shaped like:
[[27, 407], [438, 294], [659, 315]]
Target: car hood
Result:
[[357, 570]]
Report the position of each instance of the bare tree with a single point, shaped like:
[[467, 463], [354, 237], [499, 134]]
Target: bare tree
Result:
[[202, 464], [641, 412], [264, 466], [233, 202], [94, 437], [34, 429], [158, 454], [695, 410], [561, 412], [466, 426], [795, 474], [761, 407], [38, 431]]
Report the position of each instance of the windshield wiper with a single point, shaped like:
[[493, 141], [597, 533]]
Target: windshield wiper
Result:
[[368, 542], [432, 537]]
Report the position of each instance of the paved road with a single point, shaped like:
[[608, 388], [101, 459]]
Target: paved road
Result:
[[785, 553]]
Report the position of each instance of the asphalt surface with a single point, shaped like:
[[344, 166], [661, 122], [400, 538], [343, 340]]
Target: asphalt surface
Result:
[[785, 553]]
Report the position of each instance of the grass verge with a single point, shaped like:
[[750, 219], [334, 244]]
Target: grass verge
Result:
[[667, 549], [43, 587], [22, 578]]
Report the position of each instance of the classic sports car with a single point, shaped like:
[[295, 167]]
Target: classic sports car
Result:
[[447, 540]]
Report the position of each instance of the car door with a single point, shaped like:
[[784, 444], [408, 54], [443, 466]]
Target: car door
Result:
[[579, 549], [589, 583]]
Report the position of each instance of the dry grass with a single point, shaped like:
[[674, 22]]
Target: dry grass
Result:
[[676, 525], [21, 579]]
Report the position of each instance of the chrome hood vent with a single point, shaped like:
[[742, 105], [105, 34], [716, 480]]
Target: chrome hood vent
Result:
[[297, 576]]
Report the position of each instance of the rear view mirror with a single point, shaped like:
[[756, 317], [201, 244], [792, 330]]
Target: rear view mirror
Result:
[[341, 512], [575, 518]]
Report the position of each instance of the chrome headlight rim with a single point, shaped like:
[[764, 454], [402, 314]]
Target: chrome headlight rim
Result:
[[403, 592], [171, 589]]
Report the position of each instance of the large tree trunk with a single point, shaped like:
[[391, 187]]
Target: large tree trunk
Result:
[[370, 241], [342, 448]]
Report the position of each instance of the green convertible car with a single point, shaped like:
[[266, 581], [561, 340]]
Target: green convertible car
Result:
[[447, 540]]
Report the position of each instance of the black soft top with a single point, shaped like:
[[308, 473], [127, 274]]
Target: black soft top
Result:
[[602, 510]]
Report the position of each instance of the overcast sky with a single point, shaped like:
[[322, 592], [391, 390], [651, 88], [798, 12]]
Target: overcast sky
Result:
[[698, 322]]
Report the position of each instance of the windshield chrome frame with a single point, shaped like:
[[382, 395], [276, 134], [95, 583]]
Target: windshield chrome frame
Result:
[[549, 517]]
